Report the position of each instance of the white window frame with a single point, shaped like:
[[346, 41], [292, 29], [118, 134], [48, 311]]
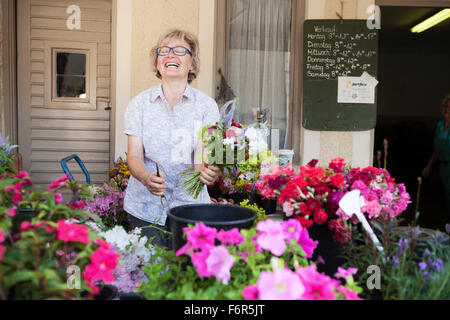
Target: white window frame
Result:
[[50, 99]]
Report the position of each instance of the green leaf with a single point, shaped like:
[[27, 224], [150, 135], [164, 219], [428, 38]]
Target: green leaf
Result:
[[22, 276]]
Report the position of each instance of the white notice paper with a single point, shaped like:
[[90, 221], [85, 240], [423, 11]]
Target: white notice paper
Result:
[[357, 89]]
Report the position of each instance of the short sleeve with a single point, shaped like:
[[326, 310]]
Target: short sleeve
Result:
[[133, 119], [211, 115]]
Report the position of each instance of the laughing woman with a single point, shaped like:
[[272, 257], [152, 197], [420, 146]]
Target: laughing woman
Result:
[[161, 124]]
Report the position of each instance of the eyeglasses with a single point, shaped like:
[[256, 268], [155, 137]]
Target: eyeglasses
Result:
[[178, 51]]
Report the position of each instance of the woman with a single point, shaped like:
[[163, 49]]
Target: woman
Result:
[[162, 126], [442, 149]]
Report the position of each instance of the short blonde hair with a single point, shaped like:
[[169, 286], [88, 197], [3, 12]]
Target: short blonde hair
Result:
[[190, 39]]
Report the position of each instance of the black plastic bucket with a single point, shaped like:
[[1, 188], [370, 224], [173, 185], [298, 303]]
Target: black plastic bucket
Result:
[[219, 216]]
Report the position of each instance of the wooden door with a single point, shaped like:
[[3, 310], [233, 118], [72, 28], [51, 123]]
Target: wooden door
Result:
[[64, 70]]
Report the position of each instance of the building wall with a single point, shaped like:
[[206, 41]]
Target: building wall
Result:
[[355, 147], [2, 105]]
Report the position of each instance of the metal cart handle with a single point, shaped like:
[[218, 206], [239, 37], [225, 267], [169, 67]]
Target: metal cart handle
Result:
[[80, 163]]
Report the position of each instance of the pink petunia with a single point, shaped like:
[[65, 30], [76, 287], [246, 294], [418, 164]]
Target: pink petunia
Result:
[[270, 237], [72, 232], [11, 212], [306, 243], [22, 175], [345, 273], [2, 251], [292, 229], [318, 286], [349, 294], [105, 261], [2, 236], [250, 292], [202, 236], [58, 198], [232, 236], [58, 183], [199, 261], [282, 284], [219, 263], [187, 249], [17, 197]]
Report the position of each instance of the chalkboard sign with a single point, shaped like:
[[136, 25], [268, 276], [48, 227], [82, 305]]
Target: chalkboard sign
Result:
[[333, 49]]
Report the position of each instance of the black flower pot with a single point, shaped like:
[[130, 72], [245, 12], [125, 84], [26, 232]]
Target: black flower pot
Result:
[[219, 216], [269, 205], [330, 251]]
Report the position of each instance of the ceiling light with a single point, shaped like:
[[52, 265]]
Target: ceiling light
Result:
[[432, 21]]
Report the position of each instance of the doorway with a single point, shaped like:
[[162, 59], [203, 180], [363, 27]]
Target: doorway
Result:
[[414, 76], [64, 87]]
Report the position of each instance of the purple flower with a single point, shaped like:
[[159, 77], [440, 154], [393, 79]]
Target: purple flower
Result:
[[277, 182], [394, 261], [447, 228], [438, 265], [422, 266]]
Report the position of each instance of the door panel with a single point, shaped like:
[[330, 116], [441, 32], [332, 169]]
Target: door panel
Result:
[[48, 133]]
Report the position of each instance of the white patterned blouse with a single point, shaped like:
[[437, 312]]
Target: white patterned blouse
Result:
[[169, 137]]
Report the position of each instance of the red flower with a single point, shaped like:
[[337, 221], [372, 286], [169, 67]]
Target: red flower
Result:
[[320, 187], [290, 191], [72, 232], [337, 164], [337, 180], [312, 172], [320, 216], [306, 223], [17, 197]]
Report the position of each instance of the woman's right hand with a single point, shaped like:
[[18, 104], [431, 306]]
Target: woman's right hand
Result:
[[156, 184]]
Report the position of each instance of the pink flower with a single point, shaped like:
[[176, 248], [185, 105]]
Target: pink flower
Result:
[[288, 209], [232, 236], [21, 175], [76, 205], [271, 237], [58, 183], [25, 226], [11, 212], [349, 294], [199, 261], [72, 232], [2, 251], [104, 262], [308, 245], [15, 188], [250, 292], [292, 229], [103, 244], [282, 284], [187, 249], [219, 263], [2, 236], [58, 198], [202, 236], [344, 274], [318, 286], [373, 208], [17, 197]]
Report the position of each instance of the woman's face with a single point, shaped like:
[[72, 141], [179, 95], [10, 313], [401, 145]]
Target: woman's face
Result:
[[172, 66]]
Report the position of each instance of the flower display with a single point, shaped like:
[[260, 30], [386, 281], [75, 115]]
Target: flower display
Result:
[[119, 173], [312, 194]]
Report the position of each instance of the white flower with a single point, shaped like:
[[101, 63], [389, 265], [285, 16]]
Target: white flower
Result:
[[229, 141]]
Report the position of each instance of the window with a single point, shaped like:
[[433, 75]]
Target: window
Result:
[[257, 54], [70, 75]]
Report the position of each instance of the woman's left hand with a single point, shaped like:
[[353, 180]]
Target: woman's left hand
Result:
[[209, 174]]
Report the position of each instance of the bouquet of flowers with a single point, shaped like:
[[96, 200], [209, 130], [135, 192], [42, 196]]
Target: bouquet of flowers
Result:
[[230, 146]]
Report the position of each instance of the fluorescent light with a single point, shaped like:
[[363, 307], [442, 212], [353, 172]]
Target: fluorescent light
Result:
[[432, 21]]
